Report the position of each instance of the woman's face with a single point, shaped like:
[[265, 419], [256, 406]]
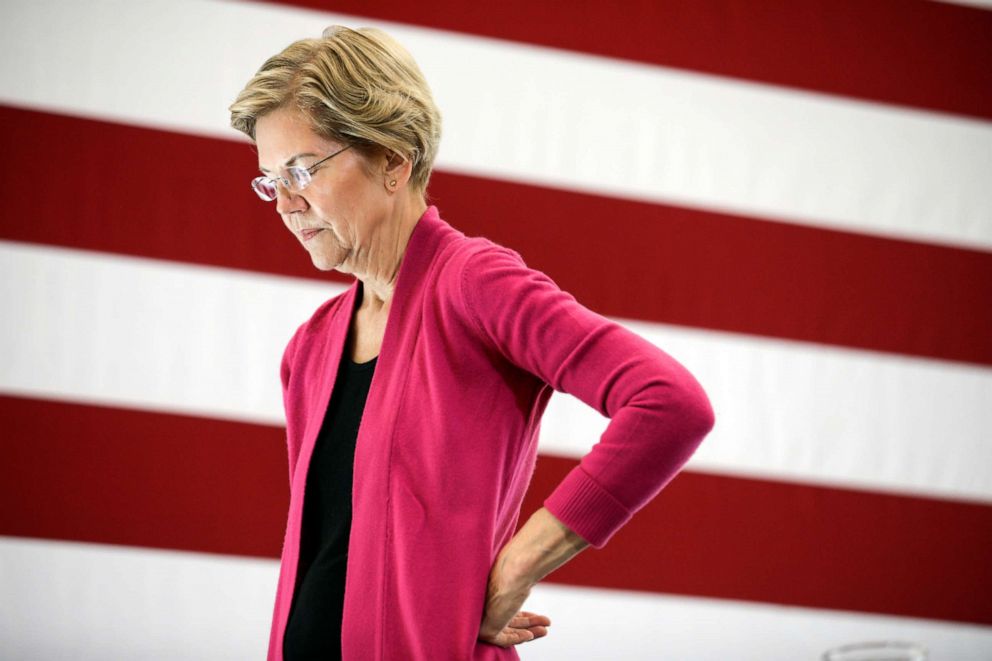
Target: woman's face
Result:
[[342, 201]]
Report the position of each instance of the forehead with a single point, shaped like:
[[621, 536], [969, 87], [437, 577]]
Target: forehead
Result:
[[284, 133]]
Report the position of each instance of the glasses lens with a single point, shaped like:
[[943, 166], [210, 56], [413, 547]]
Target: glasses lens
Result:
[[265, 187], [298, 177]]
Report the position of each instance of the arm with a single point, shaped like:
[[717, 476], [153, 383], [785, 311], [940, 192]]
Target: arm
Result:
[[659, 413], [542, 545]]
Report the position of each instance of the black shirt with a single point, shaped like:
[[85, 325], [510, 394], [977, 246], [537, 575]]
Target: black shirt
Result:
[[314, 627]]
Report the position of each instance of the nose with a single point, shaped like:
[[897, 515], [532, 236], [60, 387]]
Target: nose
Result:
[[287, 201]]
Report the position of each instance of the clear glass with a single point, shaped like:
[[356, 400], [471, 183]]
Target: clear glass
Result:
[[267, 188], [877, 651]]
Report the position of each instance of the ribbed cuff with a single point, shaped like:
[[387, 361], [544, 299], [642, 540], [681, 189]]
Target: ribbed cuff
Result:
[[588, 509]]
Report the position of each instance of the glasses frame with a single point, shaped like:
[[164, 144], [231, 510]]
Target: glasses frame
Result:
[[302, 177]]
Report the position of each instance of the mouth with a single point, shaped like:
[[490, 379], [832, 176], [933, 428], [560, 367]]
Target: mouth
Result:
[[309, 234]]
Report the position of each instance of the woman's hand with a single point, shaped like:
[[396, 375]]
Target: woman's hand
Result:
[[502, 623], [542, 545]]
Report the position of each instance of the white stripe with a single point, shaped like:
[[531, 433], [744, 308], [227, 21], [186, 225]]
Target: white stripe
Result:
[[591, 623], [537, 115], [984, 4], [818, 414], [148, 334], [156, 335], [88, 601], [65, 600]]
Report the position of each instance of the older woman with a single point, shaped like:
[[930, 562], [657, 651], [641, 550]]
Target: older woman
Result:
[[413, 399]]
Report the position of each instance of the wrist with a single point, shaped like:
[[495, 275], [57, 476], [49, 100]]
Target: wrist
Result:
[[542, 545]]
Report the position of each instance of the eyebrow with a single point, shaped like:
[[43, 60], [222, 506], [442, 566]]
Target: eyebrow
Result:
[[290, 161]]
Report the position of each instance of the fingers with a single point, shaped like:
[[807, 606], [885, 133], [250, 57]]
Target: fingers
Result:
[[522, 628], [511, 636], [539, 632], [527, 619]]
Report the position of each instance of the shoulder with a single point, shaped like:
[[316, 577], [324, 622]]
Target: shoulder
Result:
[[479, 249], [467, 266], [461, 260], [498, 294], [472, 260], [491, 274]]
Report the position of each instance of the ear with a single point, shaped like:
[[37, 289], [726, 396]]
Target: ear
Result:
[[397, 171]]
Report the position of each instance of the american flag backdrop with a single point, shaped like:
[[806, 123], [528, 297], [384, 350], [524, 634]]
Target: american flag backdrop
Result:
[[794, 199]]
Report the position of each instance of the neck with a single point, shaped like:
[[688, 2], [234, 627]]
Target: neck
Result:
[[380, 275]]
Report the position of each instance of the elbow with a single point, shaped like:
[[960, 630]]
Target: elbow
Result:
[[696, 412], [704, 414]]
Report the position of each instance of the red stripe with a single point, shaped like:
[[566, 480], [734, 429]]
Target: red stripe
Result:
[[120, 476], [156, 194], [930, 55], [93, 474]]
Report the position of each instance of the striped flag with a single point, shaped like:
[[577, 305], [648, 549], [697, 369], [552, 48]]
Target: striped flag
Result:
[[793, 199]]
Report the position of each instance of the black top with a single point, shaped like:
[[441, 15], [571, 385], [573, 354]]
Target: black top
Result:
[[314, 627]]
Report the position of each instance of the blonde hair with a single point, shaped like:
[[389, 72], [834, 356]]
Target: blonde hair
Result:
[[358, 87]]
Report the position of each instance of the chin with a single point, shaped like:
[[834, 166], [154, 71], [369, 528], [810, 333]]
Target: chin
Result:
[[323, 263]]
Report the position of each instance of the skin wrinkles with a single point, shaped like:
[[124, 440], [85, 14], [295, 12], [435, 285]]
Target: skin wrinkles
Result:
[[365, 223]]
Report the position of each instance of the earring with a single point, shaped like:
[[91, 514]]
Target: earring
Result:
[[392, 183]]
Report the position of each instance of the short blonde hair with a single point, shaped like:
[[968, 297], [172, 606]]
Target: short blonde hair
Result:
[[357, 87]]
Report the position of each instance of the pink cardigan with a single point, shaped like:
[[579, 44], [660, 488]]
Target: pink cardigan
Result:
[[474, 344]]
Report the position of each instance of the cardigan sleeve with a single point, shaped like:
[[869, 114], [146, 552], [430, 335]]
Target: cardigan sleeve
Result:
[[658, 412]]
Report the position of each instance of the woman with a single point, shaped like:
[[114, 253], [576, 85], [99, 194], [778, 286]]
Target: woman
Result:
[[413, 399]]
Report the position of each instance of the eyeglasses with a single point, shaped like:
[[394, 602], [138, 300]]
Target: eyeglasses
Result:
[[300, 178]]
